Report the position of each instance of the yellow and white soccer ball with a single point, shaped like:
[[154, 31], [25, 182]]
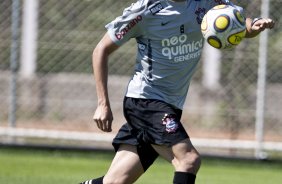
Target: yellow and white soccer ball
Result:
[[223, 27]]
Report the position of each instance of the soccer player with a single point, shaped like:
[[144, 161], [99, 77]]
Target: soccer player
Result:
[[169, 45]]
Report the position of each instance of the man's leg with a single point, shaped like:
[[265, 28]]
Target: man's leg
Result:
[[125, 168], [185, 159]]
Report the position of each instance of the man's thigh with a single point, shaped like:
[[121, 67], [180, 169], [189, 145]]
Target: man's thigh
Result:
[[177, 151], [126, 166]]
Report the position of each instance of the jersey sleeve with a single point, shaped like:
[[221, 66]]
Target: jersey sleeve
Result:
[[129, 25]]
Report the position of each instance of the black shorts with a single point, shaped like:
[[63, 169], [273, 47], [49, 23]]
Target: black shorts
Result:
[[149, 122]]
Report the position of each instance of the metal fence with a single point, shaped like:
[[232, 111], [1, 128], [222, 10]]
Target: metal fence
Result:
[[48, 93]]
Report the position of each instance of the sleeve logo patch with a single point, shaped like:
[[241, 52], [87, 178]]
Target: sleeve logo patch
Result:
[[156, 8], [128, 27]]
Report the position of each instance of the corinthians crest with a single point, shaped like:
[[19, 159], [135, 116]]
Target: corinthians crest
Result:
[[170, 123]]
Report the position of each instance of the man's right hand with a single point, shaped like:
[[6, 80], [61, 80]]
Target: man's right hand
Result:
[[103, 117]]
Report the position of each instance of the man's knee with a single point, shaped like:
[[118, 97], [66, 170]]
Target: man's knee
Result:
[[190, 162], [196, 161]]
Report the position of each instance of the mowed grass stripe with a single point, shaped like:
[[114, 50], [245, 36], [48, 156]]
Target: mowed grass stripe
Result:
[[21, 166]]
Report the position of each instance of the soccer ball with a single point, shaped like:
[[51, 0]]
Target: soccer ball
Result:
[[223, 27]]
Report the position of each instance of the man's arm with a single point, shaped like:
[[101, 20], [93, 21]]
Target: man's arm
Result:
[[254, 27], [103, 115]]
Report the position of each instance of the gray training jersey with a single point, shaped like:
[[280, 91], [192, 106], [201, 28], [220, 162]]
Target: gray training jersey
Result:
[[169, 44]]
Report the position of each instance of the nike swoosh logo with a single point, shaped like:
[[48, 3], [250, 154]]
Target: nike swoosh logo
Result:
[[164, 23]]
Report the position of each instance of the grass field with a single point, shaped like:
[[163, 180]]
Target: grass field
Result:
[[28, 166]]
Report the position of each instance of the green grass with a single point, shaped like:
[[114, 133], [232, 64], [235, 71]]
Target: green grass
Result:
[[20, 166]]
